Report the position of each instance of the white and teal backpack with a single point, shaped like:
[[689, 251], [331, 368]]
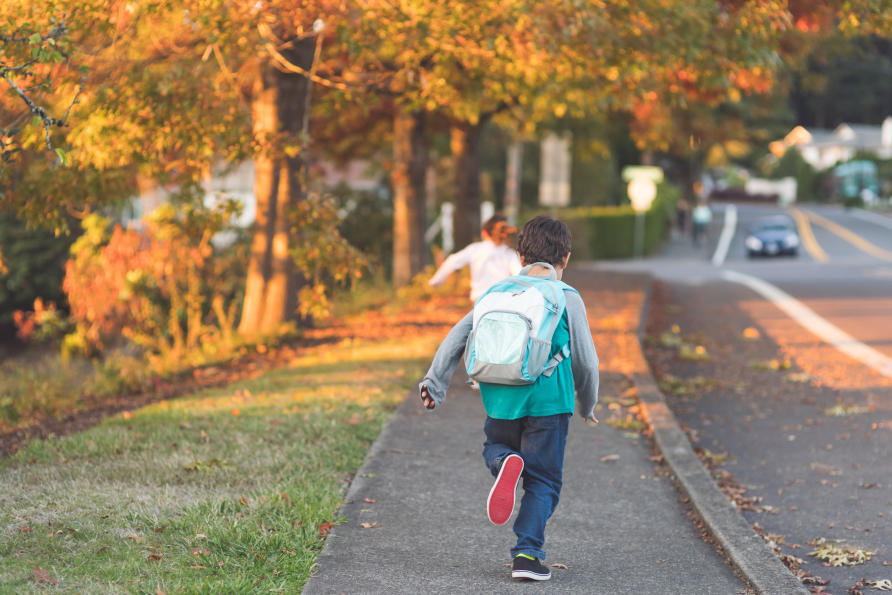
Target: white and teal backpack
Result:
[[514, 322]]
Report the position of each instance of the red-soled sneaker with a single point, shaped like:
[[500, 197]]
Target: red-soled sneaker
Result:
[[500, 503]]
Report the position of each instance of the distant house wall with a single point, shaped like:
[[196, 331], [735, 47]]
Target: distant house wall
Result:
[[825, 148], [238, 183]]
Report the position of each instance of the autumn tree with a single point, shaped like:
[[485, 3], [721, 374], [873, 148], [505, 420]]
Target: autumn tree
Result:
[[30, 55], [179, 89], [722, 120]]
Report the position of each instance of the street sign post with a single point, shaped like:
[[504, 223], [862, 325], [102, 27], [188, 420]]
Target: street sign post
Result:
[[642, 191]]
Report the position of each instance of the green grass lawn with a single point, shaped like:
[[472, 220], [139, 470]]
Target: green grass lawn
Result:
[[228, 490]]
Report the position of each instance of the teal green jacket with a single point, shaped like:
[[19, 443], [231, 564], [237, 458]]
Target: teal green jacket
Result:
[[548, 395]]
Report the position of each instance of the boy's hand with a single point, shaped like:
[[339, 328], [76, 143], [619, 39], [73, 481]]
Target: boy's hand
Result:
[[591, 420], [428, 400]]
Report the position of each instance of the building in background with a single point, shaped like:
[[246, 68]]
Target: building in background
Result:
[[823, 148]]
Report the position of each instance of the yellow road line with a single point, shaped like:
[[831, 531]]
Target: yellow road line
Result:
[[850, 237], [808, 237]]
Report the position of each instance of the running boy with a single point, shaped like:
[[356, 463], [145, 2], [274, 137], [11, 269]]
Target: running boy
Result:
[[526, 425]]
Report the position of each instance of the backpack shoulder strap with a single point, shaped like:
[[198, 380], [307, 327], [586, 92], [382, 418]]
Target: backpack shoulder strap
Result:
[[569, 288], [564, 353]]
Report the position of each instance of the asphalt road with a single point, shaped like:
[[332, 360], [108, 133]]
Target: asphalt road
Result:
[[809, 436]]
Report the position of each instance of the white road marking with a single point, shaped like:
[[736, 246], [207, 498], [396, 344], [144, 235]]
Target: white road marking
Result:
[[809, 320], [721, 250], [872, 217]]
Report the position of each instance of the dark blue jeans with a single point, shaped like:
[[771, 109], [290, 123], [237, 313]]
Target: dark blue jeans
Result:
[[540, 442]]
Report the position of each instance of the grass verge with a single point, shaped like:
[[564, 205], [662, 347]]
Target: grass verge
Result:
[[226, 490]]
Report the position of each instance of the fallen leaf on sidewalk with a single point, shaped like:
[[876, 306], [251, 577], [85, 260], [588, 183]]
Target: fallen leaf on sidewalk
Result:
[[609, 458], [881, 585], [559, 565], [369, 500], [369, 525]]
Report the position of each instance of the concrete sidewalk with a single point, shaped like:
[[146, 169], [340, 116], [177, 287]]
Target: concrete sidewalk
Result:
[[416, 518]]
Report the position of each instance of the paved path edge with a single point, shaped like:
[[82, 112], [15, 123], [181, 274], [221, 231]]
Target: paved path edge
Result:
[[750, 555]]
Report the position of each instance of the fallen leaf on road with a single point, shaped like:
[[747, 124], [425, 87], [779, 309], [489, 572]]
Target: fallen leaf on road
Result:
[[559, 565], [798, 377], [823, 469], [609, 458], [369, 500], [751, 333], [841, 411], [839, 554]]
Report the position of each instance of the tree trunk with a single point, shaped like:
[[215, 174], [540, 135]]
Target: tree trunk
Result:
[[277, 114], [408, 176], [465, 142], [513, 180]]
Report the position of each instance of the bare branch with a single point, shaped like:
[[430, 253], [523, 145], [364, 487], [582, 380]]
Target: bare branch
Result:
[[48, 121], [289, 66]]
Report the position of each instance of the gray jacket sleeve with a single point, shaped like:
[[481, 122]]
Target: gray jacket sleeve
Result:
[[583, 357], [447, 358]]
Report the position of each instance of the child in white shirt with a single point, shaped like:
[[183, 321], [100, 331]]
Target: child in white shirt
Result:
[[491, 260]]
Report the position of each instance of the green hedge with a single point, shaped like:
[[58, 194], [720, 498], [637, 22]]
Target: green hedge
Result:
[[609, 232]]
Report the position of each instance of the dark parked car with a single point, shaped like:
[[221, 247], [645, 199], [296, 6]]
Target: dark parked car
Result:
[[772, 236]]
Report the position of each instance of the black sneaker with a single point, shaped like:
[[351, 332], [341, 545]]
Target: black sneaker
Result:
[[532, 569]]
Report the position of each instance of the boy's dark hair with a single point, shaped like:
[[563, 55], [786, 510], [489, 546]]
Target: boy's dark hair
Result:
[[544, 239]]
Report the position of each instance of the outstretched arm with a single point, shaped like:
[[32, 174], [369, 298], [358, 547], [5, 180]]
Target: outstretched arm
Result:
[[433, 387], [583, 357], [452, 263]]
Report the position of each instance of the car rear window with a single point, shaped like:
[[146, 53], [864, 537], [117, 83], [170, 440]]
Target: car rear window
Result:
[[774, 227]]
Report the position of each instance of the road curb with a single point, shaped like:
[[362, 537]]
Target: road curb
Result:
[[747, 551]]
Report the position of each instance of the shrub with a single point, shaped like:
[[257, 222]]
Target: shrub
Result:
[[321, 253], [31, 266], [44, 323], [165, 288], [609, 232], [366, 221], [792, 164]]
